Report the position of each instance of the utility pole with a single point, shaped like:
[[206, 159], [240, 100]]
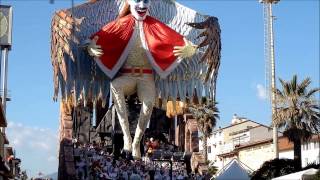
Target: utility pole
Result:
[[270, 64]]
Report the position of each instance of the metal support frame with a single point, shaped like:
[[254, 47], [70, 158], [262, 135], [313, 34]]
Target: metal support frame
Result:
[[270, 65], [273, 85], [4, 76]]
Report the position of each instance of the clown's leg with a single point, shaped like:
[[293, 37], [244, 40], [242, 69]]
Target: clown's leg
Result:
[[120, 87], [146, 93]]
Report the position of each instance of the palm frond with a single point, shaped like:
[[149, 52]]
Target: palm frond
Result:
[[311, 92], [206, 116], [297, 110]]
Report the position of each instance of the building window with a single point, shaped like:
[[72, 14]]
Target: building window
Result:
[[306, 146], [209, 149]]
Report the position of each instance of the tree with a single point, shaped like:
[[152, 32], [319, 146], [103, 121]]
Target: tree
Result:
[[297, 112], [275, 168], [212, 170], [206, 116]]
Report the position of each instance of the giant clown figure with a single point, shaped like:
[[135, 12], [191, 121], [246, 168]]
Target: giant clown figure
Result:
[[134, 47], [140, 46]]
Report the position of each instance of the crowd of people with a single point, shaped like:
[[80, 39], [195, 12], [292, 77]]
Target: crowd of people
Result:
[[94, 162]]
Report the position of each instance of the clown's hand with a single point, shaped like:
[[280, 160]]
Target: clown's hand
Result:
[[188, 50], [93, 49]]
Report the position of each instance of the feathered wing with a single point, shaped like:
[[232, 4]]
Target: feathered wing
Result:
[[76, 74], [196, 76], [212, 44]]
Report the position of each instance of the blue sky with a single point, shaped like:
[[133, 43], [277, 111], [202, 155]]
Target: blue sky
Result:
[[33, 116]]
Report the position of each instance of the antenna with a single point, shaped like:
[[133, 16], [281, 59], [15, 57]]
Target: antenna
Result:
[[270, 64]]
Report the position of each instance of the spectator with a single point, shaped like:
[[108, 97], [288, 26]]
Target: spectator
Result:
[[93, 162]]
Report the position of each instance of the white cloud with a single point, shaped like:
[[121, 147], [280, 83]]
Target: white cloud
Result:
[[261, 92], [40, 145], [37, 147], [31, 137], [52, 159]]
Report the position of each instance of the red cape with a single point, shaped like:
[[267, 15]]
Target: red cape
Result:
[[117, 38]]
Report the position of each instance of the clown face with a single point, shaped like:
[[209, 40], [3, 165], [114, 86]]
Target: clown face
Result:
[[139, 8]]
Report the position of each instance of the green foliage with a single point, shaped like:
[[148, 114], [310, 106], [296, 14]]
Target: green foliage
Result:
[[280, 167], [212, 170], [298, 111], [206, 116], [312, 165], [275, 168]]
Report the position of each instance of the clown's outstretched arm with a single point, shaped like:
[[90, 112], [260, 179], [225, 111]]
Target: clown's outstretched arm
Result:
[[93, 49], [186, 51]]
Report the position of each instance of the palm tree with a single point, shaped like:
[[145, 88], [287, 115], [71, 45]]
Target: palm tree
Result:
[[206, 117], [297, 112]]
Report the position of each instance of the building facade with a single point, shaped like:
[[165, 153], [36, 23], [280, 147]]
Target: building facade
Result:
[[310, 150], [186, 133], [4, 167], [238, 140], [251, 144]]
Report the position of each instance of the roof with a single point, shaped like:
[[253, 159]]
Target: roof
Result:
[[315, 137], [247, 120], [284, 144], [233, 170], [237, 148], [228, 154], [254, 143]]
